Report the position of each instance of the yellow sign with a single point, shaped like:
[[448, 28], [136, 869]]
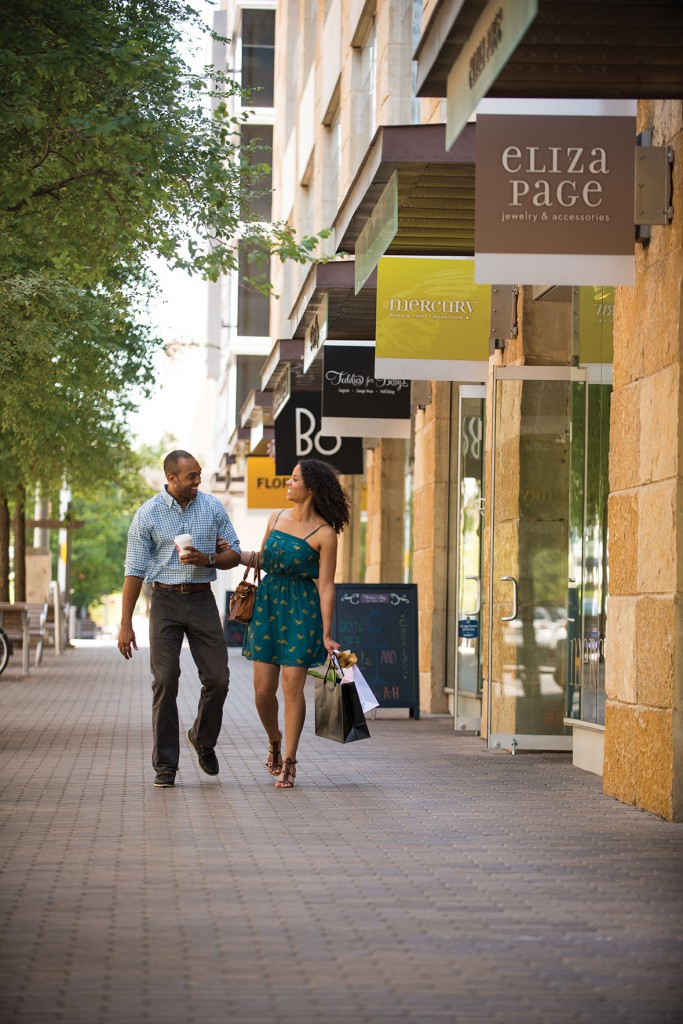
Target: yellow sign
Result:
[[596, 325], [264, 488], [433, 321]]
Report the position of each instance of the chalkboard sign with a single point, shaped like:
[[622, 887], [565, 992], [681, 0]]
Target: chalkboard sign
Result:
[[378, 622]]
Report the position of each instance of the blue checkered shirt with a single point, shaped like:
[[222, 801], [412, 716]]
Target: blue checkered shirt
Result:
[[152, 553]]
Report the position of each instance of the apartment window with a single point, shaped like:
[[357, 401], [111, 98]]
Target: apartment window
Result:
[[332, 164], [415, 102], [258, 56], [369, 79], [253, 307], [261, 136], [248, 377]]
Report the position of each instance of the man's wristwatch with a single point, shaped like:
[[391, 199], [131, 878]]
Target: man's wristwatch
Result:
[[212, 560]]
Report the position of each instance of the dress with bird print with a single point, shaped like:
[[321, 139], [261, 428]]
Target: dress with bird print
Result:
[[286, 626]]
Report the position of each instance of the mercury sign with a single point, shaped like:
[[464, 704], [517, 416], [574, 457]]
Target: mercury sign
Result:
[[554, 198]]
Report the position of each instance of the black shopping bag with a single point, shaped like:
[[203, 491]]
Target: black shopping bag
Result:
[[338, 712]]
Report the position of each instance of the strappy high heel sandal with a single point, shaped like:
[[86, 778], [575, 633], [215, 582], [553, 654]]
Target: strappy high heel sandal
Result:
[[288, 775], [274, 762]]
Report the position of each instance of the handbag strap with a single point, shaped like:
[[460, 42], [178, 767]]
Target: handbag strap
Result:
[[254, 565]]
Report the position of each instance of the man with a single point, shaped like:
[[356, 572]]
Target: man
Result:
[[182, 605]]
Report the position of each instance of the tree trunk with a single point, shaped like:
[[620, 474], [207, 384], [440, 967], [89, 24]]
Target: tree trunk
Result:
[[4, 548], [20, 545]]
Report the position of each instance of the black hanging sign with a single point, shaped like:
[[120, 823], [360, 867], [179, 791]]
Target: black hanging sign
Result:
[[378, 622], [355, 402], [299, 435]]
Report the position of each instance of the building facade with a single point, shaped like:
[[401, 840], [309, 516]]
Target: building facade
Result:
[[536, 500]]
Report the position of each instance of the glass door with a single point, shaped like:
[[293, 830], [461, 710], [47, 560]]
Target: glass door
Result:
[[588, 548], [469, 530], [532, 485]]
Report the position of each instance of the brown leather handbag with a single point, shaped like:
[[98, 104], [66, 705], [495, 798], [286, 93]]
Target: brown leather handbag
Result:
[[242, 601]]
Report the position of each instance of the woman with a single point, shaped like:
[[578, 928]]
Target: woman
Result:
[[291, 628]]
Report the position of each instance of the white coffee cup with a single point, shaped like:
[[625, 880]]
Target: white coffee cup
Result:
[[183, 543]]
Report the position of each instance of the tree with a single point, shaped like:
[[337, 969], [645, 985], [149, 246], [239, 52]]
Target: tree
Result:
[[99, 547], [110, 155], [111, 152]]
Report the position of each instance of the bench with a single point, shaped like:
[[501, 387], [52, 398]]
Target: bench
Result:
[[24, 624]]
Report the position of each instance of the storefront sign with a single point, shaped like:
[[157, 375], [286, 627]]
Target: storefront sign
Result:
[[299, 435], [378, 232], [264, 488], [433, 321], [488, 48], [596, 325], [554, 198], [355, 402], [315, 334]]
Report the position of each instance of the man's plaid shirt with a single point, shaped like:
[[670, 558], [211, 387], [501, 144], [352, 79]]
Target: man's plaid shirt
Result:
[[151, 552]]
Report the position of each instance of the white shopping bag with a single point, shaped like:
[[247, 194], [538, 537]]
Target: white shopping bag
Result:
[[353, 674]]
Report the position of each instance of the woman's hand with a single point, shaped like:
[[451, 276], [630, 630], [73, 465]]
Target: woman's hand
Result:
[[222, 545], [331, 646]]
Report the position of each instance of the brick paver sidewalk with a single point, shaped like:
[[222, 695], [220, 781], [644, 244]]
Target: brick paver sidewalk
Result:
[[415, 877]]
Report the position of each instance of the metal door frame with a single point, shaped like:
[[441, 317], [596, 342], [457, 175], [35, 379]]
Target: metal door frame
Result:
[[531, 373]]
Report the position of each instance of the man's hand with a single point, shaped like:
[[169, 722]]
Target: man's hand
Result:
[[127, 641], [193, 556]]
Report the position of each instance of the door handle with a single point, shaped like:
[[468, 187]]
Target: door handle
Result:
[[513, 581], [572, 579], [476, 611]]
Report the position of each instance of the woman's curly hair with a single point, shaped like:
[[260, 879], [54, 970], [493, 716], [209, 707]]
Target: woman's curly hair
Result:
[[330, 500]]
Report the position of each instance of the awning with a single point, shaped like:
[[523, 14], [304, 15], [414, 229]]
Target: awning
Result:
[[435, 191], [349, 316], [574, 49]]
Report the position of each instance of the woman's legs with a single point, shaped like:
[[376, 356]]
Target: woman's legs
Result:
[[293, 680], [265, 697]]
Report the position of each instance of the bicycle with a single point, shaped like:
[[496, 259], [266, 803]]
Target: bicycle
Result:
[[5, 650]]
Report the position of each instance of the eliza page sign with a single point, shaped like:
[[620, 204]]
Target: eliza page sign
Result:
[[355, 402], [554, 199]]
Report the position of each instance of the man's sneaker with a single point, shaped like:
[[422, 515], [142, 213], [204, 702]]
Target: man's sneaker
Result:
[[165, 778], [208, 762]]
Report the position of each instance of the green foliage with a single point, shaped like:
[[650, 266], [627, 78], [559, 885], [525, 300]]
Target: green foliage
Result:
[[111, 150], [111, 155], [99, 546], [68, 362]]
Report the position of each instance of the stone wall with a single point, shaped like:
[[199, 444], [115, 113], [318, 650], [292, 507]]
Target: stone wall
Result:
[[643, 719]]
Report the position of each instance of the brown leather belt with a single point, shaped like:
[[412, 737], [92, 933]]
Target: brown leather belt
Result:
[[184, 588]]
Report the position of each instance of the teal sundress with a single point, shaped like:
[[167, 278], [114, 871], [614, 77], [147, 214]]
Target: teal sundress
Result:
[[286, 627]]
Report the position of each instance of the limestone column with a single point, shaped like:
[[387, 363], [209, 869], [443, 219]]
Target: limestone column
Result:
[[430, 543], [386, 467], [644, 665]]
